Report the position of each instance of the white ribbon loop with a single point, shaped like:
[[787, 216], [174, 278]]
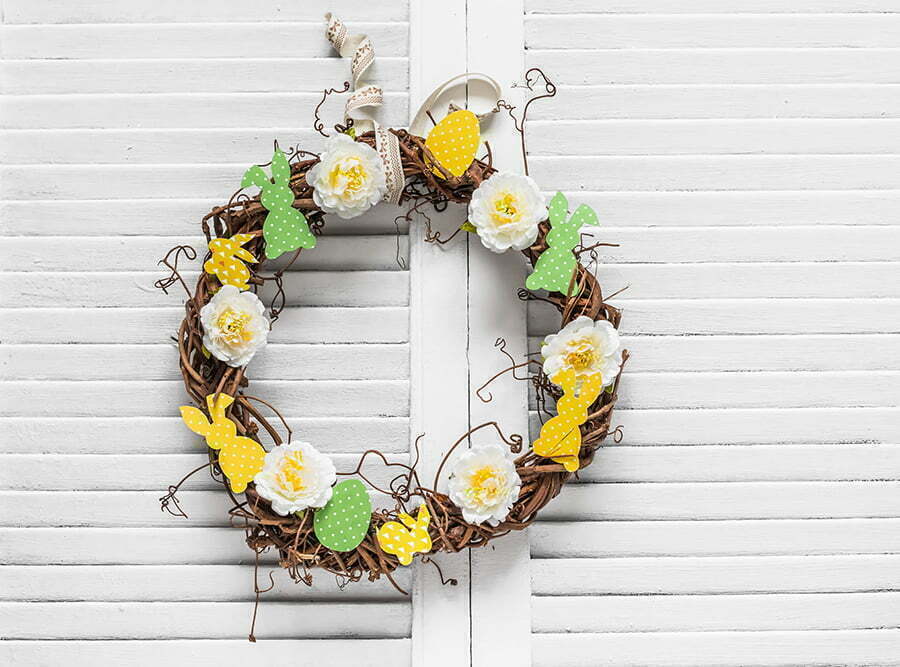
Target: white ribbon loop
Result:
[[419, 125]]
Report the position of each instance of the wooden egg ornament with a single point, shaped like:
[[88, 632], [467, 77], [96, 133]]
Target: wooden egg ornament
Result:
[[344, 521], [454, 141]]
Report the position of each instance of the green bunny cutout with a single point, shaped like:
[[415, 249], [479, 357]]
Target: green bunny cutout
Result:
[[285, 227], [555, 266]]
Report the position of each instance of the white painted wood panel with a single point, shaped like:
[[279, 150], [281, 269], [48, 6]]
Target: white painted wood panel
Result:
[[741, 155], [123, 123]]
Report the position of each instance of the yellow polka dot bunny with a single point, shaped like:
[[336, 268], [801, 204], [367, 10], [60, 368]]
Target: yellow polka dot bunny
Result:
[[560, 438], [226, 263], [403, 540], [240, 458]]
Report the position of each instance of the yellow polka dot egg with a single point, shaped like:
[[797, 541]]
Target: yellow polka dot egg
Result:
[[454, 141]]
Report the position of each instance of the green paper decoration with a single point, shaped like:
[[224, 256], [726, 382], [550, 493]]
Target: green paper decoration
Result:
[[555, 266], [285, 227], [344, 521]]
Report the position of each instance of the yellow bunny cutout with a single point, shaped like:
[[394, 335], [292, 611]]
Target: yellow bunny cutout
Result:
[[560, 438], [406, 539], [240, 458], [226, 263]]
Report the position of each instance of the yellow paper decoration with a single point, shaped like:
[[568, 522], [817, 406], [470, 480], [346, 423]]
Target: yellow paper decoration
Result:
[[560, 437], [226, 263], [454, 141], [241, 458], [406, 539]]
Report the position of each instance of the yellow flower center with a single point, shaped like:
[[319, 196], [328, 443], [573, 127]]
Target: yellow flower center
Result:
[[290, 477], [350, 173], [506, 209], [232, 324], [485, 485], [582, 354]]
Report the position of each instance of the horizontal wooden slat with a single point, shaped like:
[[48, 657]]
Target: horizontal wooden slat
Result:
[[742, 244], [186, 545], [748, 353], [740, 316], [188, 75], [740, 574], [752, 426], [636, 173], [122, 508], [136, 288], [746, 280], [631, 173], [161, 217], [796, 389], [210, 652], [185, 583], [763, 389], [736, 649], [723, 208], [154, 325], [153, 217], [351, 398], [188, 119], [740, 463], [636, 613], [160, 362], [148, 472], [731, 500], [712, 31], [707, 6], [604, 66], [186, 40], [167, 11], [598, 539], [118, 253], [206, 620], [705, 137], [167, 435], [721, 100]]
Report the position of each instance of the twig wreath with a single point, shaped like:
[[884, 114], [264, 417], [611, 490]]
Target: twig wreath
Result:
[[292, 501]]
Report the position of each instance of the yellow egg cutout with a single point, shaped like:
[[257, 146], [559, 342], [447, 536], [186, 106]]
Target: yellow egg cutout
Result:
[[406, 538], [560, 438], [454, 141]]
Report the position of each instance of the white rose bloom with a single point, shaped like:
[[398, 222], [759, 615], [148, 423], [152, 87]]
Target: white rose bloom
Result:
[[505, 210], [348, 179], [295, 477], [484, 484], [586, 346], [234, 325]]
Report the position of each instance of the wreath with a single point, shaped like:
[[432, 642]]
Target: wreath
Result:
[[292, 501]]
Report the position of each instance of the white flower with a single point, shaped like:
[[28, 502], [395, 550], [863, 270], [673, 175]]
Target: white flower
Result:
[[295, 477], [234, 326], [484, 484], [586, 346], [348, 179], [505, 210]]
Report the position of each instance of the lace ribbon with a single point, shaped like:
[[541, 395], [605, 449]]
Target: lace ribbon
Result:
[[362, 54]]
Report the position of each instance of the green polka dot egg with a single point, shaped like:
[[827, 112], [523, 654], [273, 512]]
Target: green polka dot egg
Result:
[[344, 521]]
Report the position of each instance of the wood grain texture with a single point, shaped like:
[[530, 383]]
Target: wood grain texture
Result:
[[193, 93], [748, 517]]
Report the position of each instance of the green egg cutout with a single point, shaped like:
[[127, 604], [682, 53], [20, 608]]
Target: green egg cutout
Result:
[[344, 521]]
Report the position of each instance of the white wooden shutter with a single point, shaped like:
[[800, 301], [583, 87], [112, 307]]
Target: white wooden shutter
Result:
[[744, 156], [124, 122]]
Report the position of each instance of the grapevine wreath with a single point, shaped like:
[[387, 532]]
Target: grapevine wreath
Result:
[[292, 501]]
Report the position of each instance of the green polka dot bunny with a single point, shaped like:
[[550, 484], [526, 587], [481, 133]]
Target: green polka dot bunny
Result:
[[556, 265], [285, 227]]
